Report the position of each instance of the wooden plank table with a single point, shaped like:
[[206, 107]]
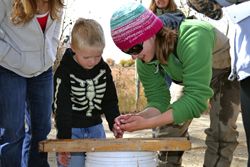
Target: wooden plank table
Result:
[[121, 144]]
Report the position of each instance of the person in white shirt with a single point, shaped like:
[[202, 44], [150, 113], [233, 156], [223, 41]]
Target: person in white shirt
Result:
[[29, 38]]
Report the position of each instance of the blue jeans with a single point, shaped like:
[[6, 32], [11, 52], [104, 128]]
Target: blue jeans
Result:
[[245, 107], [97, 131], [18, 94], [27, 139]]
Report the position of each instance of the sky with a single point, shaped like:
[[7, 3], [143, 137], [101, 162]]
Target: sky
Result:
[[101, 11]]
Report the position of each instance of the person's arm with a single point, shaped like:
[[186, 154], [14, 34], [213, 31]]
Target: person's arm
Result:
[[5, 48], [149, 118], [62, 104], [110, 102], [149, 112], [196, 63]]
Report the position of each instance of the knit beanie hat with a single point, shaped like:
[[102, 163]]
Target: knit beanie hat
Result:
[[133, 24]]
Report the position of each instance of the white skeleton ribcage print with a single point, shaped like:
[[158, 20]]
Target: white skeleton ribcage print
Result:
[[87, 94]]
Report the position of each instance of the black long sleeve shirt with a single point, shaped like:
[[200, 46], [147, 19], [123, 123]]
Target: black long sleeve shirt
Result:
[[81, 96]]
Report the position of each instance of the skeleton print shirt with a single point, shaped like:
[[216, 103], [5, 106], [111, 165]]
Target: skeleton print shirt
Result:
[[81, 96]]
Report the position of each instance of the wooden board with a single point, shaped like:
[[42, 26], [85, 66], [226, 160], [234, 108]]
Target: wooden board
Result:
[[109, 145]]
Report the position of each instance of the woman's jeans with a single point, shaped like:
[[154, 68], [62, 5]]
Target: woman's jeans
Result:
[[17, 95], [97, 131], [27, 138], [245, 107]]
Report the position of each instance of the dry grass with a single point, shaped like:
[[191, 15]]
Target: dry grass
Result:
[[124, 78]]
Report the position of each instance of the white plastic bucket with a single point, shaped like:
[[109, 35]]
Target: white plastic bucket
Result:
[[121, 159]]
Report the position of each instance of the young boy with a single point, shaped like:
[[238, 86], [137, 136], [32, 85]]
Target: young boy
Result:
[[83, 90]]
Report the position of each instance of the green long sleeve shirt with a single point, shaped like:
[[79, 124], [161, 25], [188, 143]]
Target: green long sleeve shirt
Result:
[[192, 66]]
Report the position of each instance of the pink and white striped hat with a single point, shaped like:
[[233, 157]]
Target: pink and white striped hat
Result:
[[133, 24]]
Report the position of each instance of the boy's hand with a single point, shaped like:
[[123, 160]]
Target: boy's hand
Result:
[[63, 158], [118, 133], [117, 130]]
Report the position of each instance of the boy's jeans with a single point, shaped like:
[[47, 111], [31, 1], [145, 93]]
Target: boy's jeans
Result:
[[97, 131], [16, 92]]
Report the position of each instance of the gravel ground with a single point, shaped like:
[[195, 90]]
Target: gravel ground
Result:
[[195, 156]]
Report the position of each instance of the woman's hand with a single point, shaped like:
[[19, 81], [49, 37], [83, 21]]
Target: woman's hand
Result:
[[133, 122], [129, 122], [120, 119], [149, 118], [63, 158], [117, 130]]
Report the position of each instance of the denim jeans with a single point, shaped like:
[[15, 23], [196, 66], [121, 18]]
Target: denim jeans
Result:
[[97, 131], [27, 139], [245, 107], [18, 94]]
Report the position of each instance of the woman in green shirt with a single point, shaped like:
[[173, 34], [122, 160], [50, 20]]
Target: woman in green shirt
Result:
[[183, 53], [140, 33]]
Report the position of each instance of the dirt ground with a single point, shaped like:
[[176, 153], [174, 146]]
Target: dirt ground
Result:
[[193, 157]]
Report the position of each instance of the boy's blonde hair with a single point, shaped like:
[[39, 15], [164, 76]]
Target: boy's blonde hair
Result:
[[171, 6], [87, 33], [24, 10]]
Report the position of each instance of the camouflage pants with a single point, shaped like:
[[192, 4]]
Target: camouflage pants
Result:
[[221, 137]]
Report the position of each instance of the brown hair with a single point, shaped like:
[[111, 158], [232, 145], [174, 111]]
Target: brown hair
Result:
[[24, 10], [87, 33], [165, 38], [171, 6], [165, 44]]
